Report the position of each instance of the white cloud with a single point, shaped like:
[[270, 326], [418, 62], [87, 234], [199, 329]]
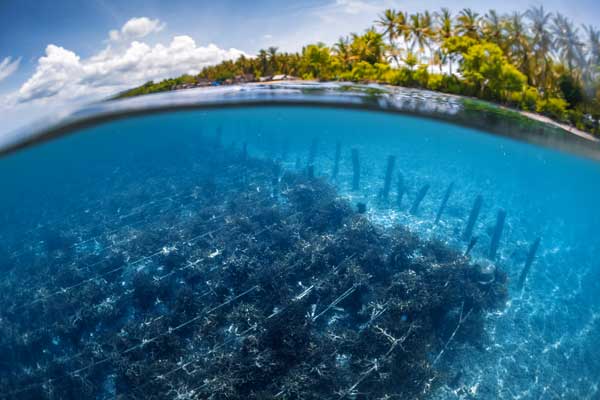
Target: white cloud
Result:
[[8, 67], [63, 74], [136, 28], [57, 69], [62, 79]]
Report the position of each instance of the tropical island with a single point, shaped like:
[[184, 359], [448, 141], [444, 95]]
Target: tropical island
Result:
[[534, 61]]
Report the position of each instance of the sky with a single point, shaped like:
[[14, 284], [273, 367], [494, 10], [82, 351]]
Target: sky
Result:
[[59, 53]]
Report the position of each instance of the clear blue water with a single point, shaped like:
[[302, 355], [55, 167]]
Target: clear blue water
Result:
[[541, 345]]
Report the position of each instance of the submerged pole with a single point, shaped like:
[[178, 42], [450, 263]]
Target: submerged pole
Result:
[[473, 218], [387, 183], [401, 189], [497, 233], [312, 152], [530, 257], [336, 160], [244, 151], [355, 170], [472, 244], [419, 199], [444, 202]]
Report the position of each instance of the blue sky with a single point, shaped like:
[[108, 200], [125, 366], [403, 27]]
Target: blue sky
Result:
[[55, 52]]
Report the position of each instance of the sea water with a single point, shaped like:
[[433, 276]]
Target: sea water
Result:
[[89, 192]]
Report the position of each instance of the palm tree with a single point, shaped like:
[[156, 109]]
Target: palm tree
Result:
[[593, 46], [272, 54], [283, 64], [263, 59], [438, 58], [541, 44], [421, 28], [445, 24], [316, 60], [390, 21], [342, 51], [519, 44], [367, 47], [468, 23], [591, 69], [410, 60], [403, 29], [493, 28], [567, 42], [445, 30]]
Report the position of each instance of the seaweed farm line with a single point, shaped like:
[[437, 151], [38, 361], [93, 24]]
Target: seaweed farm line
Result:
[[246, 263]]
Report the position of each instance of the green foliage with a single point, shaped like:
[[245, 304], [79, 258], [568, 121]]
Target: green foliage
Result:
[[402, 77], [435, 81], [421, 76], [571, 90], [458, 44], [410, 60], [529, 98], [511, 80], [316, 62], [162, 86], [487, 69], [553, 107], [368, 47], [500, 58], [365, 72]]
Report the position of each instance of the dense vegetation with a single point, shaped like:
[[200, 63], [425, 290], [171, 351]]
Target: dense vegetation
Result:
[[535, 61]]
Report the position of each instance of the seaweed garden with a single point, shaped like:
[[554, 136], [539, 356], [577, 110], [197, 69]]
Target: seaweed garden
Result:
[[228, 200], [272, 288], [239, 259]]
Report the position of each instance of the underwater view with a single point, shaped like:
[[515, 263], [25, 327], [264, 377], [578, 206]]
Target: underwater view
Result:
[[315, 199], [297, 252]]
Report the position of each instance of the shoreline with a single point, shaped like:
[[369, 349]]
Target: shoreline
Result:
[[571, 129], [528, 114]]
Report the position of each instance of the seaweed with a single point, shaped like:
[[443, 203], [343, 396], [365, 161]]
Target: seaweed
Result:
[[259, 283]]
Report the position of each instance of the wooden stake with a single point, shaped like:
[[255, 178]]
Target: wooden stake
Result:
[[419, 199], [530, 257], [244, 151], [312, 153], [472, 244], [444, 202], [388, 177], [497, 234], [401, 189], [336, 161], [473, 218]]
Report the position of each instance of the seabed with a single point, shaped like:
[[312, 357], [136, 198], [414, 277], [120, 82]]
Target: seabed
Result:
[[221, 254]]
